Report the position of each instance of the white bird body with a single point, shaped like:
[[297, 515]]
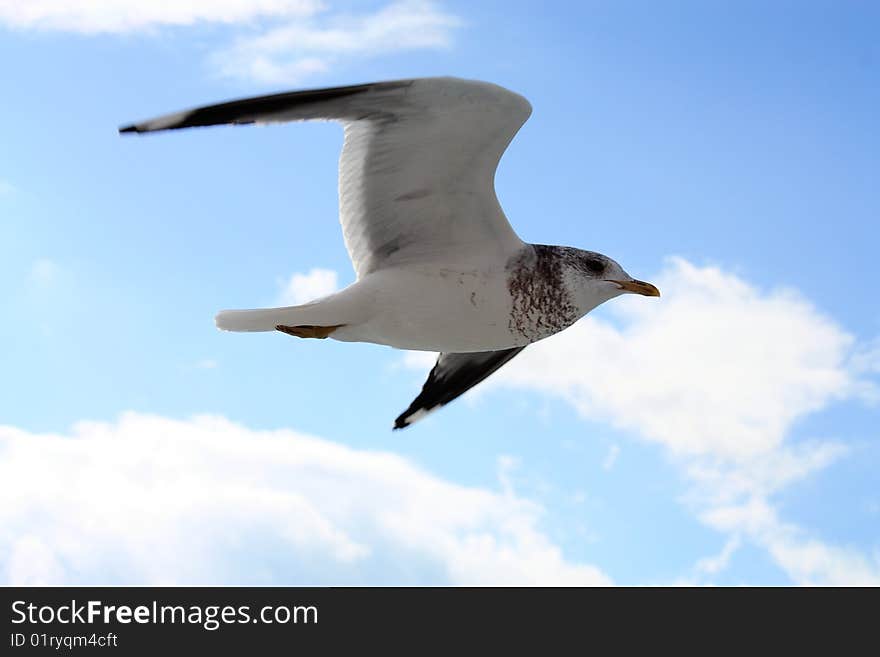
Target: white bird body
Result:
[[408, 307], [431, 308], [447, 308], [439, 268]]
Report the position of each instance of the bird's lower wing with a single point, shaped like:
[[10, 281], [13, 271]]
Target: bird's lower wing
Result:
[[452, 375]]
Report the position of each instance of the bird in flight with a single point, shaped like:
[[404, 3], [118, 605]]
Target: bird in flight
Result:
[[439, 268]]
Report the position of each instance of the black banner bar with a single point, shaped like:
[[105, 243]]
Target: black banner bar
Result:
[[151, 620]]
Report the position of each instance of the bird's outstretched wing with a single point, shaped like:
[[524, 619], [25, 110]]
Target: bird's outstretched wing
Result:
[[452, 375], [416, 176]]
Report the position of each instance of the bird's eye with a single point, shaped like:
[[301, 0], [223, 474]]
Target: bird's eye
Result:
[[594, 265]]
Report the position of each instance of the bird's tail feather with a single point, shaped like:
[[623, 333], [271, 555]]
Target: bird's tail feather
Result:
[[266, 319]]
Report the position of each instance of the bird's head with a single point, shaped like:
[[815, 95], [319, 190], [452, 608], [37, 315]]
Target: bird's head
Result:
[[600, 278]]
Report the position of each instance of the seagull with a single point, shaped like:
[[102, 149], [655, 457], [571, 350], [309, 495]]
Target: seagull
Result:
[[439, 267]]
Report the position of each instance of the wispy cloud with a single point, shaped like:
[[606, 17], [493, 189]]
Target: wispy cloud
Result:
[[717, 563], [154, 500], [611, 457], [289, 52], [6, 187], [121, 16], [275, 41], [805, 559], [302, 288]]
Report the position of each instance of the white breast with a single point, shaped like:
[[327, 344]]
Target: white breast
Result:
[[450, 309]]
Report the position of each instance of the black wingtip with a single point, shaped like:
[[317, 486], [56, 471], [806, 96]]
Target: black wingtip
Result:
[[400, 423], [128, 128]]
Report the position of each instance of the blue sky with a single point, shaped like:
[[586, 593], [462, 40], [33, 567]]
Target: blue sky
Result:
[[725, 434]]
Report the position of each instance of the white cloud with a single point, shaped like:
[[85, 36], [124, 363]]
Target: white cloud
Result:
[[275, 42], [118, 16], [715, 564], [287, 53], [302, 288], [611, 457], [207, 364], [866, 361], [806, 560], [717, 372], [155, 500], [6, 187]]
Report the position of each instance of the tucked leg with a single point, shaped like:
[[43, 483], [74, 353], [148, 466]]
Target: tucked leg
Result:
[[308, 331]]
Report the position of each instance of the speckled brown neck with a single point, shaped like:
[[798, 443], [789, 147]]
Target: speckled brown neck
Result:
[[541, 302]]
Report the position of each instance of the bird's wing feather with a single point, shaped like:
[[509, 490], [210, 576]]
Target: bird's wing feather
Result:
[[416, 176], [452, 375]]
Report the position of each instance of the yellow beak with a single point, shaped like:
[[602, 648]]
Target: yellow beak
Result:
[[638, 287]]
